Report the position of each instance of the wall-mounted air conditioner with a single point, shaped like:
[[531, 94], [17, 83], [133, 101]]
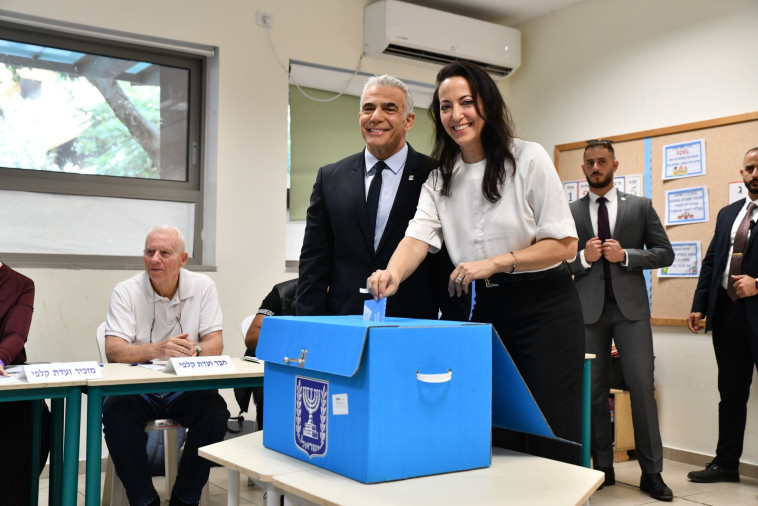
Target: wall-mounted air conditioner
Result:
[[399, 29]]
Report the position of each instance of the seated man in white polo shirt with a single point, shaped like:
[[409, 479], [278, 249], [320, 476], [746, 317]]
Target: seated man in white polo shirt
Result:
[[163, 312]]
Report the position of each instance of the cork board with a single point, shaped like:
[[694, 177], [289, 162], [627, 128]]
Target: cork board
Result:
[[726, 141]]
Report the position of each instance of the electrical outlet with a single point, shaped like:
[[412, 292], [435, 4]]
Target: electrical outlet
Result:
[[264, 19]]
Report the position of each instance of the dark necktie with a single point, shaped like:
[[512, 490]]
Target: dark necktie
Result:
[[374, 189], [740, 240], [604, 233]]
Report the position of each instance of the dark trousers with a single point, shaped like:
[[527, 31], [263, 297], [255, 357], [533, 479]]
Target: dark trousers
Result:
[[634, 341], [204, 414], [16, 444], [258, 398], [540, 324], [736, 349]]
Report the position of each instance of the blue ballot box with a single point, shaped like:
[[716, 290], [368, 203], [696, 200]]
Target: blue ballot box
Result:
[[379, 401]]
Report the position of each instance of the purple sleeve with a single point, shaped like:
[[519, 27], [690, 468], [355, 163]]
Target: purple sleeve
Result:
[[18, 319]]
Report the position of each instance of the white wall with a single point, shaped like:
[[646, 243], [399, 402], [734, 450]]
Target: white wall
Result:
[[599, 68], [607, 67]]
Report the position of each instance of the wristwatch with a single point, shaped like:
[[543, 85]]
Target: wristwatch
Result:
[[198, 349]]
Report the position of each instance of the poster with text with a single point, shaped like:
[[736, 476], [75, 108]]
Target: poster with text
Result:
[[571, 189], [684, 160], [686, 261], [584, 188], [687, 205], [634, 185], [619, 182], [737, 191]]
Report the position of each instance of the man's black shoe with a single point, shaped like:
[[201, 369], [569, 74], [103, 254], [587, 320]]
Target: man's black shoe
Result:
[[653, 485], [610, 476], [175, 501], [714, 473]]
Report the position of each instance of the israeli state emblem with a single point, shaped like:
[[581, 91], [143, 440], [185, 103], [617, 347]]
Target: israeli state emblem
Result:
[[311, 415]]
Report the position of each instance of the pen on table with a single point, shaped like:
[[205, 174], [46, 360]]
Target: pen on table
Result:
[[137, 363]]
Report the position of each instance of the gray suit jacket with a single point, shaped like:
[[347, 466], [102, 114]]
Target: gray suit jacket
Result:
[[639, 231]]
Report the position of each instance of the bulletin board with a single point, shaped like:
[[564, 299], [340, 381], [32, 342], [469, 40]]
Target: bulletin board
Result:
[[726, 141]]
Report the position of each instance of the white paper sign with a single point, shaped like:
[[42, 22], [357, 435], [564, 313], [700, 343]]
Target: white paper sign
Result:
[[339, 404], [58, 372], [619, 182], [737, 191], [688, 205], [684, 160], [584, 188], [193, 366], [686, 261], [634, 185], [571, 189]]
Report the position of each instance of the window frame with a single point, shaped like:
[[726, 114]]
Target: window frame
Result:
[[189, 191]]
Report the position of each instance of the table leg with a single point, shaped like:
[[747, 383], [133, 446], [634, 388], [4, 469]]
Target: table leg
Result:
[[71, 446], [273, 496], [36, 408], [94, 445], [233, 492], [586, 412], [57, 428]]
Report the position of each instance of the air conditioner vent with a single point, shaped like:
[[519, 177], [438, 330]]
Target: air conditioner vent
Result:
[[442, 59]]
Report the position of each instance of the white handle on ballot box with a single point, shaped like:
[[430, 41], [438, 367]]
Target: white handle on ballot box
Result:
[[435, 378]]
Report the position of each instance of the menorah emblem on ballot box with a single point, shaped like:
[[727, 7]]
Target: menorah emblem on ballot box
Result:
[[311, 397]]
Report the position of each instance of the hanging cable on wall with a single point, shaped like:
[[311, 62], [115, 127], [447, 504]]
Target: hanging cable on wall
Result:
[[297, 85]]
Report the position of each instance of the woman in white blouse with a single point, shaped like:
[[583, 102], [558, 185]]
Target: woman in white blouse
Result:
[[497, 203]]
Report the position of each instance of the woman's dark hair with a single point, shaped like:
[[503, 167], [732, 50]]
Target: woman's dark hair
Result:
[[496, 133]]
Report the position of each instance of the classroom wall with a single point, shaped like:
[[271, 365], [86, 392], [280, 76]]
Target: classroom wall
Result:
[[601, 67], [607, 67]]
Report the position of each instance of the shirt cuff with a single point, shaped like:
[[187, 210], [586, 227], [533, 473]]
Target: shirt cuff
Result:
[[585, 263], [625, 263]]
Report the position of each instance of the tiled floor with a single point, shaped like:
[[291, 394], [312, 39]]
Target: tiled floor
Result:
[[626, 492], [248, 494]]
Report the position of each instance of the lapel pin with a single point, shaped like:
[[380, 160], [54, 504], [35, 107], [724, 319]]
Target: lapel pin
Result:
[[623, 198], [411, 177]]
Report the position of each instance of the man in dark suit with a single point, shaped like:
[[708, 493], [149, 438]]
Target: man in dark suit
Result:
[[359, 210], [620, 235], [727, 293]]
